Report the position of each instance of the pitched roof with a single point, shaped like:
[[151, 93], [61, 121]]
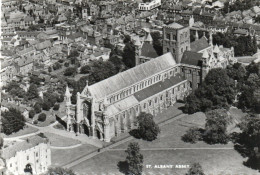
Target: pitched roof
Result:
[[199, 44], [11, 150], [175, 25], [158, 87], [148, 51], [43, 45], [131, 76], [192, 58]]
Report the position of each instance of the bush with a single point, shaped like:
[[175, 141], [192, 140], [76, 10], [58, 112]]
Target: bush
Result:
[[61, 61], [67, 64], [56, 107], [56, 66], [70, 71], [46, 106], [85, 69], [38, 108], [192, 135], [60, 98], [42, 117], [31, 113]]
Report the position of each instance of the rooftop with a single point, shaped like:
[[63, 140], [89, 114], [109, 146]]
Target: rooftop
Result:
[[131, 76]]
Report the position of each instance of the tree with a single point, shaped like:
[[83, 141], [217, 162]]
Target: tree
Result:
[[249, 141], [32, 92], [60, 98], [31, 113], [147, 128], [56, 107], [101, 70], [129, 55], [217, 91], [70, 71], [85, 69], [216, 126], [60, 171], [50, 69], [46, 105], [12, 121], [37, 107], [134, 159], [157, 44], [42, 117], [192, 135], [195, 169], [118, 63], [56, 66], [14, 89]]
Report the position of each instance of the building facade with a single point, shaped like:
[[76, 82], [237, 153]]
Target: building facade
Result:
[[108, 108], [176, 39], [149, 5], [30, 156]]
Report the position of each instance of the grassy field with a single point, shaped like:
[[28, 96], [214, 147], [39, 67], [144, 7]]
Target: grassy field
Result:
[[26, 130], [215, 159], [214, 162], [60, 141], [61, 157]]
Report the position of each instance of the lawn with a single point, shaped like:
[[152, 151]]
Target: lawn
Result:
[[27, 130], [212, 161], [60, 141], [61, 157], [215, 159], [170, 135]]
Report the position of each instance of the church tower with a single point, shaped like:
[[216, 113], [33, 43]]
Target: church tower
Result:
[[176, 39]]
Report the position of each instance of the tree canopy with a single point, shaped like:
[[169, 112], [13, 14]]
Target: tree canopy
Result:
[[243, 45], [147, 128], [129, 55], [216, 126], [32, 92], [195, 169], [12, 121], [217, 91], [60, 171], [134, 159]]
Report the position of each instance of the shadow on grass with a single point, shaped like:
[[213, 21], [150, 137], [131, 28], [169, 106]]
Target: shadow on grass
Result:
[[63, 123], [123, 167], [135, 133], [182, 108], [245, 149]]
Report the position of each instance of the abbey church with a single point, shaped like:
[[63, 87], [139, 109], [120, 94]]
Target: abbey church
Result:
[[110, 107]]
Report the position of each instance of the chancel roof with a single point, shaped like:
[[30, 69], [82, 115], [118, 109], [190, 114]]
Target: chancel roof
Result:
[[158, 87], [148, 51], [192, 58], [131, 76], [199, 44]]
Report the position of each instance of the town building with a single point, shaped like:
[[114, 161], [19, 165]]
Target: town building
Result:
[[149, 5], [31, 156]]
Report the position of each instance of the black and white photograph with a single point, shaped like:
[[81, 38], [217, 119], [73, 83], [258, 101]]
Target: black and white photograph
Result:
[[130, 87]]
